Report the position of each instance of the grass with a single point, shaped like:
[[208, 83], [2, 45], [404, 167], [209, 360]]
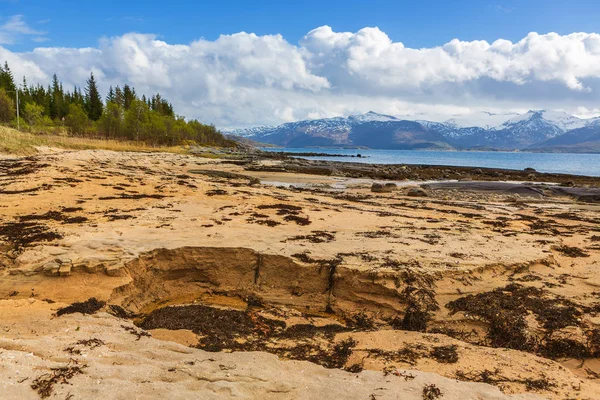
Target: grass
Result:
[[13, 141]]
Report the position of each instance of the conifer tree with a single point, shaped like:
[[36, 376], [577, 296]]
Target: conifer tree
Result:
[[119, 97], [110, 97], [7, 81], [128, 96], [93, 101]]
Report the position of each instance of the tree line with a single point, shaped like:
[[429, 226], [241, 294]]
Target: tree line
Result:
[[122, 115]]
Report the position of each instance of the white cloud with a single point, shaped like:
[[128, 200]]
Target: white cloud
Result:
[[245, 79], [14, 28]]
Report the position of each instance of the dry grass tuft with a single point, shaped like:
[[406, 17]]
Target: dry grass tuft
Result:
[[22, 143]]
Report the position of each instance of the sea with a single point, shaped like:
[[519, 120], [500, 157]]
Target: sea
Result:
[[562, 163]]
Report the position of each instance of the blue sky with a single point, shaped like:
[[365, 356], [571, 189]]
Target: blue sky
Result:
[[422, 23], [316, 59]]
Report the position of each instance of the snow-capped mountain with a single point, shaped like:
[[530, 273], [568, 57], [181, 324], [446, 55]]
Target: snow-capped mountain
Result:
[[497, 131], [481, 119], [250, 132], [560, 119], [371, 116]]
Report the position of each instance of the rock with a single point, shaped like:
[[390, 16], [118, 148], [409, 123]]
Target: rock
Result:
[[529, 169], [416, 192], [254, 181], [93, 268], [64, 270], [63, 260], [51, 269], [175, 371], [387, 188], [115, 270], [12, 254]]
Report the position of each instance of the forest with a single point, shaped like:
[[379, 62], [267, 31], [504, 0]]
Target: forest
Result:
[[121, 115]]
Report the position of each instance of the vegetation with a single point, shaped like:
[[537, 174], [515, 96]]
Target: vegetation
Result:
[[13, 141], [122, 116]]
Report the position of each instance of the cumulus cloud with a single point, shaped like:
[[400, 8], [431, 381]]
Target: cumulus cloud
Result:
[[244, 79]]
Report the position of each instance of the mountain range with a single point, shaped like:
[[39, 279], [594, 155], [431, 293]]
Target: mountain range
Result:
[[540, 130]]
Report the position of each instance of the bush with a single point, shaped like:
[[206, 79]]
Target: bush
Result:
[[77, 120], [7, 107]]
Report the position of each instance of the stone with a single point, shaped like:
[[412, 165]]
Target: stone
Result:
[[64, 270], [93, 268], [51, 269], [115, 270], [379, 188], [63, 260], [416, 192]]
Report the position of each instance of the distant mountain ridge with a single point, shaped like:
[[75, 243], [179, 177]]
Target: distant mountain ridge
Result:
[[536, 130]]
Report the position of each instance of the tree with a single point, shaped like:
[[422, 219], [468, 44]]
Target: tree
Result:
[[135, 119], [93, 100], [33, 114], [77, 120], [7, 81], [110, 97], [119, 97], [7, 107], [128, 96], [56, 99], [112, 120]]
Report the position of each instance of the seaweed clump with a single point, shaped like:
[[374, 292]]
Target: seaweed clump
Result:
[[44, 384], [445, 354], [22, 234], [570, 251], [505, 310], [90, 306]]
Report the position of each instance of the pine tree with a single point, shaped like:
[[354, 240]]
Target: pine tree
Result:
[[55, 98], [128, 96], [25, 93], [110, 97], [93, 101], [119, 98], [7, 81]]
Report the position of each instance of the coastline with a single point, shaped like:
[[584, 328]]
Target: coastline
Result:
[[414, 172]]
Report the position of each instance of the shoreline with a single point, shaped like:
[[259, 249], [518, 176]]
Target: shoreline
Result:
[[303, 156], [416, 172]]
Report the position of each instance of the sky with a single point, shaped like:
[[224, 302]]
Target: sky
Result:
[[238, 63]]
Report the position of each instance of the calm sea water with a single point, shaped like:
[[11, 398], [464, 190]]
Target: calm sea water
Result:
[[564, 163]]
